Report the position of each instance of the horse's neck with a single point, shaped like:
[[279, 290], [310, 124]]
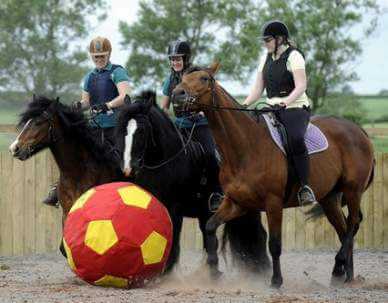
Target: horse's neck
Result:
[[173, 144], [75, 161], [235, 132]]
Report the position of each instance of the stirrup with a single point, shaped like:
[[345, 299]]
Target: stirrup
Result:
[[306, 196], [214, 201], [52, 198]]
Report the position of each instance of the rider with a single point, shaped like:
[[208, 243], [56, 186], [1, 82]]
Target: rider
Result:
[[179, 54], [104, 90], [282, 73]]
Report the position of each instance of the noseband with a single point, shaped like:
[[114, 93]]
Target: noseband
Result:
[[52, 136]]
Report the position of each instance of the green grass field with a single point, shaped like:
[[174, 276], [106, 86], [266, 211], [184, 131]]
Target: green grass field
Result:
[[9, 116], [375, 108]]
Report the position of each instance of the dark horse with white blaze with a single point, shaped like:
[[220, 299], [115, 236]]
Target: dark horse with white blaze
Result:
[[158, 157], [84, 162], [254, 171]]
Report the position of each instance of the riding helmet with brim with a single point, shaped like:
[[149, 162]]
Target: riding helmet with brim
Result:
[[274, 28], [179, 48], [100, 46]]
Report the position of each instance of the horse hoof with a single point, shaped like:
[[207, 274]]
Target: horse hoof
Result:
[[337, 280], [338, 272], [348, 280], [215, 274], [276, 282]]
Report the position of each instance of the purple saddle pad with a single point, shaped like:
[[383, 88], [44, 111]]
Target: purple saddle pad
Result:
[[315, 140]]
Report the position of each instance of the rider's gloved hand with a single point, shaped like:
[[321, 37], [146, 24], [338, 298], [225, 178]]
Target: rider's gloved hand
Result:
[[100, 108]]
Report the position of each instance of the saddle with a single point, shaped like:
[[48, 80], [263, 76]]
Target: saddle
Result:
[[314, 139]]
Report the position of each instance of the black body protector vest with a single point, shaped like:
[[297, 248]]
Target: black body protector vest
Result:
[[175, 79], [278, 81]]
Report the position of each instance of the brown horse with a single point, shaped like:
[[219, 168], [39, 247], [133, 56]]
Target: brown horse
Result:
[[82, 160], [254, 171]]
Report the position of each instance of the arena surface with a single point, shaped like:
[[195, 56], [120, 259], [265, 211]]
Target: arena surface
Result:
[[47, 278]]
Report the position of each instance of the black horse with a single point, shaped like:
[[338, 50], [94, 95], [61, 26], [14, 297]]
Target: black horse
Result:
[[174, 169]]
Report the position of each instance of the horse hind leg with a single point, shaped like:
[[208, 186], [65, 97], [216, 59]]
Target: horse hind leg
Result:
[[353, 200], [211, 247], [331, 206]]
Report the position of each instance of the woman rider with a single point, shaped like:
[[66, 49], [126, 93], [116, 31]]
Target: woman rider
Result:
[[282, 73], [104, 90], [179, 54]]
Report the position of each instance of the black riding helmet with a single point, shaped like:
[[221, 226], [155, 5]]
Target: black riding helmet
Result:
[[275, 28], [180, 48]]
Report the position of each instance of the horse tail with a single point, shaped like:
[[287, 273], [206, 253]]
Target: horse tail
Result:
[[248, 242], [372, 174]]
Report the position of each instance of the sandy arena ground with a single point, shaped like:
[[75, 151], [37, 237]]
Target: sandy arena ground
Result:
[[47, 278]]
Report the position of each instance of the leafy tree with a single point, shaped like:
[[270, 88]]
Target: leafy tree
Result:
[[383, 92], [222, 29], [39, 46], [346, 106], [323, 30]]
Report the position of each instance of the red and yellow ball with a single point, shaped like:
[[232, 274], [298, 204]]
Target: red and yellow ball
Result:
[[117, 234]]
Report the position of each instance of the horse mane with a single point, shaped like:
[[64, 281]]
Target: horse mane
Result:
[[194, 68], [76, 126]]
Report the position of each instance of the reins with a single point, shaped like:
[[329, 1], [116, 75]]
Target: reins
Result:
[[190, 100]]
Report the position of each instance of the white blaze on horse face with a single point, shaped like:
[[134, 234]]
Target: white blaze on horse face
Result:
[[14, 144], [131, 129]]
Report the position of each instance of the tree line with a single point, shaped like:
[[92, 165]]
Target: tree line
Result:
[[44, 49]]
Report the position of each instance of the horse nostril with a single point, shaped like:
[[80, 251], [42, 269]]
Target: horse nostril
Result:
[[178, 95]]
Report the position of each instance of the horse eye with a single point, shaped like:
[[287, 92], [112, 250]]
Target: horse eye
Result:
[[204, 79], [39, 121]]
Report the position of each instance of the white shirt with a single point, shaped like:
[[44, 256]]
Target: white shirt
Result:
[[294, 62]]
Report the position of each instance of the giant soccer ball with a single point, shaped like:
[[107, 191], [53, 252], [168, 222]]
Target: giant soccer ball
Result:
[[117, 234]]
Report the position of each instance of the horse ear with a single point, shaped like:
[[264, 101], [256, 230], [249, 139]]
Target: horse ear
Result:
[[150, 101], [213, 69], [57, 100], [127, 100]]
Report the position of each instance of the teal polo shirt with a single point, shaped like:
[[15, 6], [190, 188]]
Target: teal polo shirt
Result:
[[120, 74], [184, 122]]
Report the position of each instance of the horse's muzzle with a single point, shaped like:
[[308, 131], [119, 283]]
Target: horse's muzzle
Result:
[[179, 96]]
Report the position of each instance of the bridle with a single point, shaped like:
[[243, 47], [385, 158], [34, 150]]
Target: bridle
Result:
[[141, 159], [53, 136], [190, 100]]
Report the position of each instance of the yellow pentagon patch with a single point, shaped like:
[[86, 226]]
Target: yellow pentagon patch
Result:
[[100, 236], [69, 255], [108, 280], [82, 200], [134, 196], [153, 248]]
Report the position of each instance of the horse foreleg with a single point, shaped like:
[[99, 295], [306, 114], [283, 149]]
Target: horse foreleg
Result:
[[274, 211], [175, 247], [211, 247], [228, 210]]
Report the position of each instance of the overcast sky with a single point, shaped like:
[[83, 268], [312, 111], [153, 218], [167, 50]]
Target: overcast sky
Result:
[[372, 66]]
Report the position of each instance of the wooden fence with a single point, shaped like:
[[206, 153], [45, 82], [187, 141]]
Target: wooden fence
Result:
[[27, 226]]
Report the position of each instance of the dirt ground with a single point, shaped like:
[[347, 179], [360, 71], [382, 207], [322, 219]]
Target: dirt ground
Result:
[[47, 278]]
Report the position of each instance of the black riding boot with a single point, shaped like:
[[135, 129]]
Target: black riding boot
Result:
[[305, 194], [217, 195], [52, 198]]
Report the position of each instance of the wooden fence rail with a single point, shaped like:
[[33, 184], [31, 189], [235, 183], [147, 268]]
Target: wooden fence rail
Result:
[[27, 226]]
